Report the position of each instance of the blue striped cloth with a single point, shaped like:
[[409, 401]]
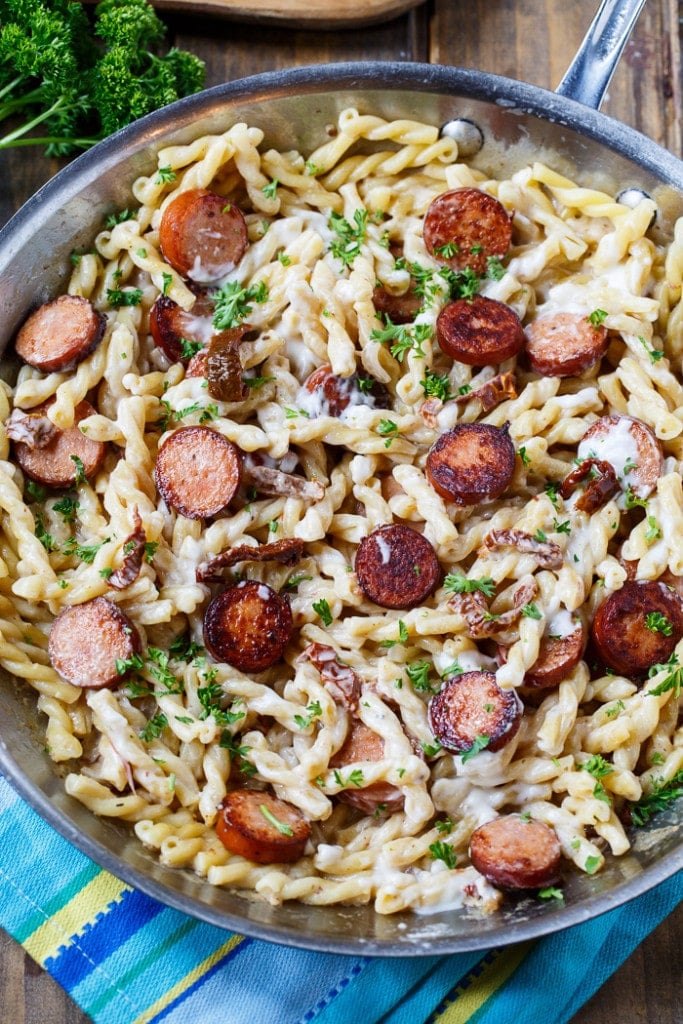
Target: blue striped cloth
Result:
[[126, 959]]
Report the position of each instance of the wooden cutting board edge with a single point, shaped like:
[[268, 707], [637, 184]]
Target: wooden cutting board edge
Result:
[[311, 14]]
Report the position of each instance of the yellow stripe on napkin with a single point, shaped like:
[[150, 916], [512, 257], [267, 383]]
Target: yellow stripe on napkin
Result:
[[188, 981], [464, 1001], [83, 909]]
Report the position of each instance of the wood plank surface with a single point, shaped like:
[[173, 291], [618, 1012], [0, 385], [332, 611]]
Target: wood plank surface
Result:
[[531, 40]]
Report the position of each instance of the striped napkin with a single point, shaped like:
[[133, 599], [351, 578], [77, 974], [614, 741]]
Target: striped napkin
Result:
[[126, 959]]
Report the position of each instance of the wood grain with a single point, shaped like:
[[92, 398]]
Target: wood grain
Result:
[[318, 14], [531, 40]]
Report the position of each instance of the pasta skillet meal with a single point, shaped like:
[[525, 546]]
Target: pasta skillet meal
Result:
[[342, 520]]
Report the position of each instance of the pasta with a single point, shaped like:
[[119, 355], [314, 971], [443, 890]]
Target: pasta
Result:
[[330, 235]]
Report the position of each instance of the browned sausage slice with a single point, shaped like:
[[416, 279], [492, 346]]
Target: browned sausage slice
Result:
[[330, 395], [557, 657], [248, 626], [67, 458], [198, 471], [60, 334], [513, 853], [401, 309], [91, 644], [472, 462], [396, 566], [630, 446], [638, 626], [564, 344], [471, 706], [179, 332], [202, 235], [362, 744], [258, 826], [464, 227], [480, 331]]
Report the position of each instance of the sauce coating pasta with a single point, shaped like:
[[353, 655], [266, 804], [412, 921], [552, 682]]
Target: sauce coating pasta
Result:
[[298, 354]]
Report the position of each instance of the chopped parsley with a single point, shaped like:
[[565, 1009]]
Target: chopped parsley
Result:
[[658, 623], [445, 852], [349, 237], [232, 303], [281, 826], [418, 672], [402, 338], [436, 385], [402, 636], [597, 317], [458, 583], [322, 609], [662, 796], [313, 710], [481, 742]]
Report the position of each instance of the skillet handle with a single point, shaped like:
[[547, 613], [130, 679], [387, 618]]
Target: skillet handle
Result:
[[589, 74]]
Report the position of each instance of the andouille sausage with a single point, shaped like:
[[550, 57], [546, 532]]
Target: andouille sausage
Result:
[[198, 471], [401, 309], [631, 447], [515, 853], [480, 331], [248, 626], [465, 227], [172, 327], [202, 235], [89, 643], [557, 657], [60, 334], [67, 457], [564, 344], [638, 626], [473, 462], [473, 705], [260, 827], [327, 394], [396, 566], [362, 744]]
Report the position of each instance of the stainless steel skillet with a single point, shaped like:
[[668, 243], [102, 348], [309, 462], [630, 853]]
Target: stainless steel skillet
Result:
[[518, 122]]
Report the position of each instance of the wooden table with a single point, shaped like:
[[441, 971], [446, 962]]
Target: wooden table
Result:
[[532, 40]]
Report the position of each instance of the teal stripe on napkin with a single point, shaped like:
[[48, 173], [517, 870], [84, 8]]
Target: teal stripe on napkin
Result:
[[125, 959]]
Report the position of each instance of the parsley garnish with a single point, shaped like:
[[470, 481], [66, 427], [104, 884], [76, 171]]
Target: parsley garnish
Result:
[[597, 317], [322, 609], [346, 246], [119, 297], [436, 385], [480, 743], [270, 190], [458, 583], [658, 623], [418, 673], [403, 338], [232, 303], [389, 430], [402, 636], [281, 826], [663, 794], [313, 710], [442, 851], [67, 508], [154, 728]]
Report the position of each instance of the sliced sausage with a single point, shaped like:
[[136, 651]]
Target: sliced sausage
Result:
[[638, 626], [341, 682], [68, 457], [557, 657], [470, 706], [473, 462], [479, 331], [248, 626], [172, 327], [202, 235], [564, 344], [513, 853], [464, 227], [198, 471], [92, 644], [325, 394], [362, 744], [630, 446], [401, 309], [397, 567], [261, 828], [60, 334]]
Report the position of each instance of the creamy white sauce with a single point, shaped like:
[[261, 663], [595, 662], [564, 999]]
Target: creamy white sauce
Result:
[[618, 446]]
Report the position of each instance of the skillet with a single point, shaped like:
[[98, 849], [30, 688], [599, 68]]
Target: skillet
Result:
[[517, 122]]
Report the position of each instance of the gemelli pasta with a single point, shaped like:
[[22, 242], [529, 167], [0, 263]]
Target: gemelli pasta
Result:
[[342, 520]]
